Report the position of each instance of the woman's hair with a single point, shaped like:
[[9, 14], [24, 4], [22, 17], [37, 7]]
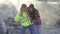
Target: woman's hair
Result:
[[32, 6]]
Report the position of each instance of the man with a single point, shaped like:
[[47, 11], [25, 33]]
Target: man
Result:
[[35, 17]]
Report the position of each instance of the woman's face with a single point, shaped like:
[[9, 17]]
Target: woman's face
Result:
[[31, 9]]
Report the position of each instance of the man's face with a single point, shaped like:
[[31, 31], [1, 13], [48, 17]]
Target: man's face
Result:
[[24, 8]]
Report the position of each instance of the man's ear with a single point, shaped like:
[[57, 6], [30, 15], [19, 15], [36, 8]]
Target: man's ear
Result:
[[20, 13]]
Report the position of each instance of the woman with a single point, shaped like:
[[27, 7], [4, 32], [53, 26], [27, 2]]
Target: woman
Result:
[[24, 20], [35, 18]]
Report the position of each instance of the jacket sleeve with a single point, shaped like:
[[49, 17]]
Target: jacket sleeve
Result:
[[16, 18], [37, 16]]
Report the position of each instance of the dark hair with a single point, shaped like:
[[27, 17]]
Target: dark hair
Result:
[[31, 13], [23, 6], [32, 6]]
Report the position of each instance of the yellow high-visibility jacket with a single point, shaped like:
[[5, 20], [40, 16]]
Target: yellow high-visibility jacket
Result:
[[24, 19]]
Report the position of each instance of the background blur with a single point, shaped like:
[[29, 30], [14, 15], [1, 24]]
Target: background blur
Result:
[[49, 11]]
